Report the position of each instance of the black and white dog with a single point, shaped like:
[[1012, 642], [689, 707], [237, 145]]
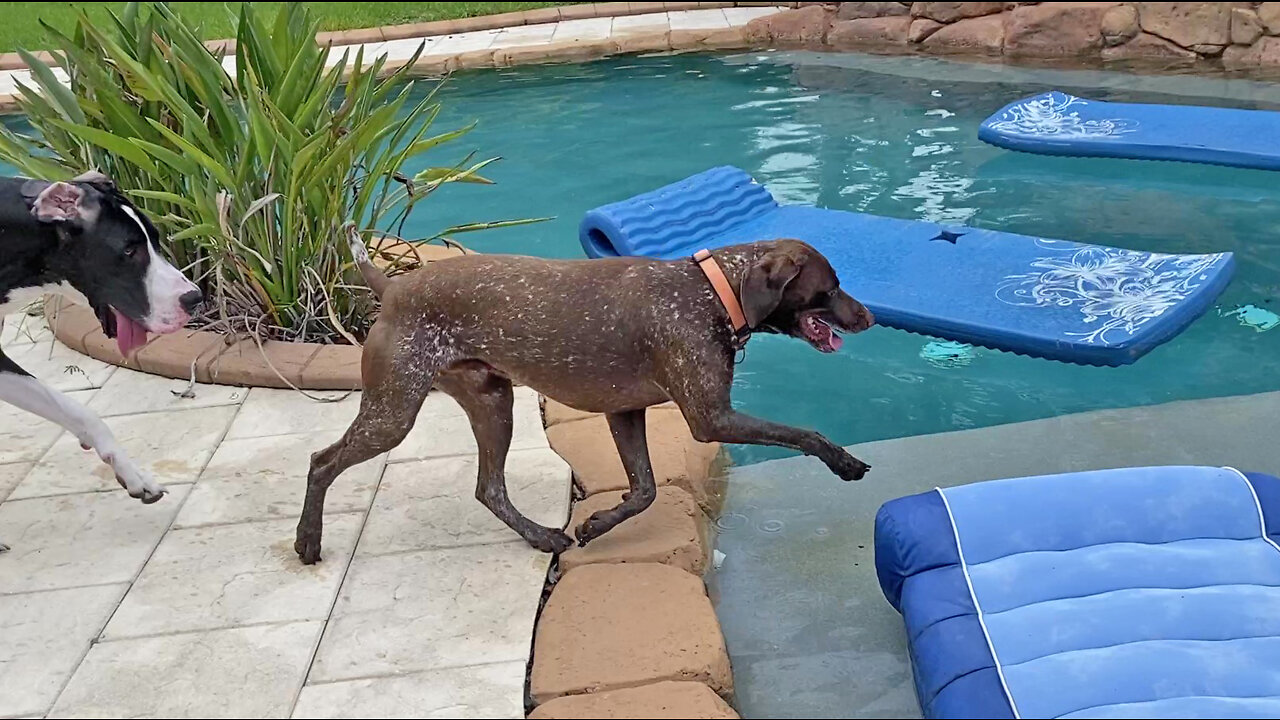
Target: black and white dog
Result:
[[84, 239]]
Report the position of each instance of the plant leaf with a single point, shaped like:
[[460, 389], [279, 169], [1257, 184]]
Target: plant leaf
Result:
[[493, 225], [162, 196], [59, 94], [257, 205], [440, 176]]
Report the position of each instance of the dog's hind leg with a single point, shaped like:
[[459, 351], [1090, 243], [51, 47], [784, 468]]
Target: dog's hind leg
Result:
[[397, 376], [633, 447], [487, 398], [22, 390]]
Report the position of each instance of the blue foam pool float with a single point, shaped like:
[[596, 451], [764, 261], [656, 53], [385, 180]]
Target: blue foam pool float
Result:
[[1056, 123], [1138, 592], [1045, 298]]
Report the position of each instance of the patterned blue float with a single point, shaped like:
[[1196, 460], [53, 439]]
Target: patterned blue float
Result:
[[1053, 299], [1056, 123]]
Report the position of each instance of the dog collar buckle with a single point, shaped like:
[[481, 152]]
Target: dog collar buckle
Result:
[[720, 284]]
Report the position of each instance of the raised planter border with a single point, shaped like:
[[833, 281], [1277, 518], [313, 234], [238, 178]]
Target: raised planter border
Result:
[[217, 358], [209, 357]]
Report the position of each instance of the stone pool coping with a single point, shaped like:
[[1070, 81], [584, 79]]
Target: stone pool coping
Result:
[[628, 630]]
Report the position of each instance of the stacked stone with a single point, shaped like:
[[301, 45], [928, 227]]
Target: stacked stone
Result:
[[628, 630], [1240, 34]]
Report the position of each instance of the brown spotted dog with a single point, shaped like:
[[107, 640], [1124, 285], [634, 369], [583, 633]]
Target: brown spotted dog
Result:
[[612, 336]]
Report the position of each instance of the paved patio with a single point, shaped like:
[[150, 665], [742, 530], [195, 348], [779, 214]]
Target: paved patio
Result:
[[196, 606]]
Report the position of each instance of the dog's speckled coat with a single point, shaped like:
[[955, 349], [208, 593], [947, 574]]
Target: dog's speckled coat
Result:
[[613, 336]]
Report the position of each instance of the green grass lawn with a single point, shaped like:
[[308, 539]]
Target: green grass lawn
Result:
[[22, 28]]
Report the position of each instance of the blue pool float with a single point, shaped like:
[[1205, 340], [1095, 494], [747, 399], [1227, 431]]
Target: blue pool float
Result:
[[1056, 123], [1132, 593], [1054, 299]]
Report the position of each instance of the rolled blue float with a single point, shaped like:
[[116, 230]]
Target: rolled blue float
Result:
[[1045, 298]]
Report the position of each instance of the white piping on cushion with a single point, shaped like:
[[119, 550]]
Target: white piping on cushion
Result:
[[1262, 520], [968, 581]]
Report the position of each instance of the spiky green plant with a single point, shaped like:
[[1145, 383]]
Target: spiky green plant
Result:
[[255, 172]]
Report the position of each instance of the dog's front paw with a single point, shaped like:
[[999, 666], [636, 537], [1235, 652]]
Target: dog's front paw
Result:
[[148, 494], [307, 546], [848, 467], [592, 528], [137, 483], [550, 541]]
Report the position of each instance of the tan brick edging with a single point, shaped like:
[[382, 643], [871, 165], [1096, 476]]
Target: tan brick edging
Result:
[[208, 357], [628, 631]]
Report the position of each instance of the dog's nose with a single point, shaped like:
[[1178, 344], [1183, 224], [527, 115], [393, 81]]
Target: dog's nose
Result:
[[190, 301]]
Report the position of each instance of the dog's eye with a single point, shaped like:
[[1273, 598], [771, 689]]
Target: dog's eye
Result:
[[131, 251]]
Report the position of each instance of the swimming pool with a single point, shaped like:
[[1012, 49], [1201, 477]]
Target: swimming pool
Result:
[[897, 137], [894, 136]]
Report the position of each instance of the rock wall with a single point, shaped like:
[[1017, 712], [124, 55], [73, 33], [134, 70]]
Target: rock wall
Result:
[[1236, 34]]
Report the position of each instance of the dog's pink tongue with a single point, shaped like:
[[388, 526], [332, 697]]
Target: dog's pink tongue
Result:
[[835, 341], [129, 335]]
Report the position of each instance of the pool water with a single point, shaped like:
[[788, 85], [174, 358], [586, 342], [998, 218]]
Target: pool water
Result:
[[897, 137]]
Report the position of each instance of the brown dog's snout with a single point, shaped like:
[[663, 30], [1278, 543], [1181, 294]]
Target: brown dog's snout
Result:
[[865, 318], [852, 315]]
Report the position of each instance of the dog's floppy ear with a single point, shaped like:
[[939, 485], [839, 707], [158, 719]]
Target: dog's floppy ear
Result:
[[95, 177], [57, 202], [763, 287]]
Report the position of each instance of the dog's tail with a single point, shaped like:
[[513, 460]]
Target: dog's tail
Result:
[[373, 277]]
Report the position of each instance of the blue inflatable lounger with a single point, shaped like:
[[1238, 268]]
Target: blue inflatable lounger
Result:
[[1131, 593], [1053, 299], [1056, 123]]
